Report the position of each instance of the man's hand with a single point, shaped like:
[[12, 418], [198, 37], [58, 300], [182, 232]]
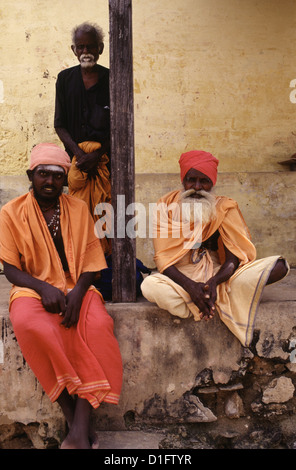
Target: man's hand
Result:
[[73, 305], [53, 300], [88, 162], [210, 293], [75, 297], [204, 296]]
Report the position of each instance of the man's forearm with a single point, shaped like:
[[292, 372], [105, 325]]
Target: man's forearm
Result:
[[85, 281], [22, 279], [175, 275], [226, 271], [68, 142]]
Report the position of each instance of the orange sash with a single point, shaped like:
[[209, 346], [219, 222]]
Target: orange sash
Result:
[[26, 243], [91, 190], [229, 221]]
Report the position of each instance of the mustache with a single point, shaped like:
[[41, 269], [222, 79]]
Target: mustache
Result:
[[201, 192], [87, 56]]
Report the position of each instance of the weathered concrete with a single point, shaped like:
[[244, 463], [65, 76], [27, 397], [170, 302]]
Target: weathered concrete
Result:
[[176, 373]]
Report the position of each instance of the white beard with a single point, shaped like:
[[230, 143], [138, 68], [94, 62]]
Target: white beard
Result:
[[87, 61], [201, 209]]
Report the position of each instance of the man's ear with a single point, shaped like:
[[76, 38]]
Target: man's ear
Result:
[[30, 174], [101, 48], [73, 49]]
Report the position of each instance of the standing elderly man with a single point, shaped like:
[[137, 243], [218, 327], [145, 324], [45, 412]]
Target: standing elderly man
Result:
[[205, 258], [82, 119], [51, 256]]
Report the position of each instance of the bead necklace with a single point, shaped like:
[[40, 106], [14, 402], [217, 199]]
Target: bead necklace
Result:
[[54, 223], [47, 208], [197, 254]]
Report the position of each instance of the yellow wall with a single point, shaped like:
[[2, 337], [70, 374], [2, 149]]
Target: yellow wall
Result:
[[211, 74], [35, 40], [208, 74], [215, 75]]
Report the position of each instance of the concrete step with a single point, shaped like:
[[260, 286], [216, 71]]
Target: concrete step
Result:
[[164, 359], [129, 439], [283, 291]]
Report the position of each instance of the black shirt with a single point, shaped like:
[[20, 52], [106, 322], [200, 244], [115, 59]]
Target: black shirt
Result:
[[83, 112]]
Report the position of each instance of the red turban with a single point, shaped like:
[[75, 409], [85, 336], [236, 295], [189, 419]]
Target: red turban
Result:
[[201, 161], [49, 154]]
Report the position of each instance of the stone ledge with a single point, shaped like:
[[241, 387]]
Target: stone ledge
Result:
[[172, 368]]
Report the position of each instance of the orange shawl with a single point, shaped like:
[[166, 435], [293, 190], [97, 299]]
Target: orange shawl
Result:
[[91, 190], [238, 299], [26, 243], [229, 221]]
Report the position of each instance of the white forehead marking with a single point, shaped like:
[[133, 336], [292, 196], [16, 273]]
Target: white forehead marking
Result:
[[55, 168]]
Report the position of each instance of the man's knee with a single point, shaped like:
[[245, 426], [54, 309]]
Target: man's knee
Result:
[[145, 285], [97, 315], [165, 296], [278, 272]]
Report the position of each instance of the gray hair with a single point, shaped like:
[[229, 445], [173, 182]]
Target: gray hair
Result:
[[89, 28]]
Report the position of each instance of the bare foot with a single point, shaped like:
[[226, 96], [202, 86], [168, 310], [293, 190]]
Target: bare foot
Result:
[[94, 440], [72, 442]]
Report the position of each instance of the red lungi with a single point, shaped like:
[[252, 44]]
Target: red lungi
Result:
[[84, 358]]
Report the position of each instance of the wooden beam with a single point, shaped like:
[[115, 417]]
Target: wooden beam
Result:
[[122, 148]]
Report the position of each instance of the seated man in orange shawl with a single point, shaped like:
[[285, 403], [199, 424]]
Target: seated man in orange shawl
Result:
[[206, 261], [51, 256]]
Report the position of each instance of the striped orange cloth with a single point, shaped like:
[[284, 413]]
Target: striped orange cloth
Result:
[[84, 359]]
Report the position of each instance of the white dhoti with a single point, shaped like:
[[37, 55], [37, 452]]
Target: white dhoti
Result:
[[237, 299]]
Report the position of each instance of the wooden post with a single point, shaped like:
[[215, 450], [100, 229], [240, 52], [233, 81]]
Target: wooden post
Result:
[[122, 148]]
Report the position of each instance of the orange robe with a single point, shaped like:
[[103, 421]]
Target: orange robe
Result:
[[174, 240], [84, 358], [91, 190], [229, 221]]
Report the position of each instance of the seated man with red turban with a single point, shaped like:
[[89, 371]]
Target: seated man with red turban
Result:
[[204, 255], [51, 256]]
